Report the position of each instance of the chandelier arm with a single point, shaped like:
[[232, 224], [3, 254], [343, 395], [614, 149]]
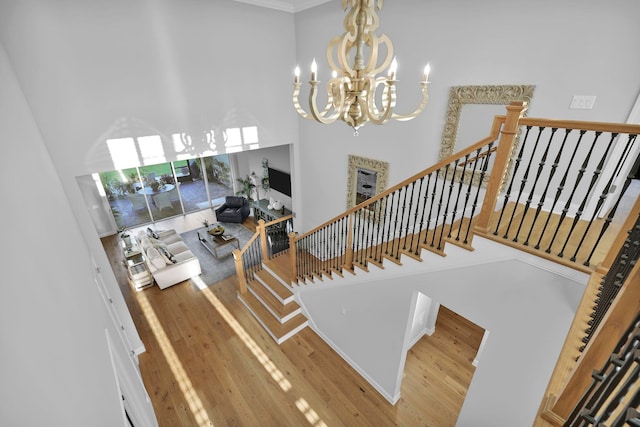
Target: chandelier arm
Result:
[[388, 98], [296, 102], [340, 89], [423, 104], [323, 116]]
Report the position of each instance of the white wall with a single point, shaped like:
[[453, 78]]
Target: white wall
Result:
[[563, 48], [55, 365], [424, 318], [526, 303], [91, 71], [278, 158], [86, 71]]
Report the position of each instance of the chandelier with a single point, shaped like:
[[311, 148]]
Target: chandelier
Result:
[[354, 86]]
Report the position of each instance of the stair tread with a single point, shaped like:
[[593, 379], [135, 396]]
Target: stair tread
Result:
[[281, 290], [281, 266], [274, 304], [276, 328]]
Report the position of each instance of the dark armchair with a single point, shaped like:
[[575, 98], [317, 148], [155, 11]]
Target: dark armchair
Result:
[[234, 209]]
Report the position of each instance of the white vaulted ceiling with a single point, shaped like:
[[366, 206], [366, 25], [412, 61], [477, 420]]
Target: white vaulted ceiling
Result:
[[291, 6]]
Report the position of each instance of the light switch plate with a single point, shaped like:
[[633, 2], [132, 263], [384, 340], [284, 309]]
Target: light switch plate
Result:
[[582, 102]]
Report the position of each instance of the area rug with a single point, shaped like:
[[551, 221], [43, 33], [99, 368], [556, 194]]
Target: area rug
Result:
[[214, 270]]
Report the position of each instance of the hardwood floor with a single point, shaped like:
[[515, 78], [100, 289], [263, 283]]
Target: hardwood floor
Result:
[[209, 363]]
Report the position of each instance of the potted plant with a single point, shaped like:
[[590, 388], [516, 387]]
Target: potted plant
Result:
[[247, 187], [125, 236], [265, 175]]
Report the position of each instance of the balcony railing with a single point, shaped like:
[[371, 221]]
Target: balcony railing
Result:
[[547, 198], [538, 185], [271, 239]]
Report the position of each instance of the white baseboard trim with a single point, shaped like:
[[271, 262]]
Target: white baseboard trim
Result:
[[426, 331], [392, 399], [139, 350]]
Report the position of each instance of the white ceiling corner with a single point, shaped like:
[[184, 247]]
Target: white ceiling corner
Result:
[[291, 6]]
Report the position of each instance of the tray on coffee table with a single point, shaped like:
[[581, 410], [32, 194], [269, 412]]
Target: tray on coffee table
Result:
[[216, 244]]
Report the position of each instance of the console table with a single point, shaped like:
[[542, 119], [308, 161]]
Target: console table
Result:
[[261, 211], [137, 272]]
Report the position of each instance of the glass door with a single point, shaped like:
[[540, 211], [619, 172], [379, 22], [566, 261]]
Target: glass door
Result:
[[128, 206], [219, 178], [160, 188], [150, 193], [192, 184]]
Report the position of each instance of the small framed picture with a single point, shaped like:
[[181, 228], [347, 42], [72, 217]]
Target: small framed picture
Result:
[[366, 178]]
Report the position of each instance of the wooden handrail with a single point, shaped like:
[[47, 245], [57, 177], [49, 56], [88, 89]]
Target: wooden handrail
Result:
[[478, 157], [259, 234], [498, 121], [278, 220], [623, 310], [581, 125], [606, 264], [237, 256], [244, 249]]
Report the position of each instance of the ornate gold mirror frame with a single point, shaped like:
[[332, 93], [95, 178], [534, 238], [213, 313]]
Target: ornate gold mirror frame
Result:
[[366, 178], [459, 96]]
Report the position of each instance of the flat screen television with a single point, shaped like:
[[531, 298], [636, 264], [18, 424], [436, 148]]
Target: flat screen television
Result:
[[280, 181]]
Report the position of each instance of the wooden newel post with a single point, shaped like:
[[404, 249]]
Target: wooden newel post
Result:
[[515, 110], [293, 255], [262, 229], [242, 280]]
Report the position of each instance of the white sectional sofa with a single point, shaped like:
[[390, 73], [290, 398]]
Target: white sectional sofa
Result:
[[168, 258]]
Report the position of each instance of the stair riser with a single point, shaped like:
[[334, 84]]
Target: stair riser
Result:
[[284, 301], [275, 275], [273, 313], [278, 340]]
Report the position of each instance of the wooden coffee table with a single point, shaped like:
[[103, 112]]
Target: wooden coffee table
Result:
[[216, 244]]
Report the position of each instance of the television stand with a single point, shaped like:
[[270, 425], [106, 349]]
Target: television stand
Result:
[[260, 211]]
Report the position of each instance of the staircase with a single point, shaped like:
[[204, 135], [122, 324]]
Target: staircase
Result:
[[537, 185], [271, 300]]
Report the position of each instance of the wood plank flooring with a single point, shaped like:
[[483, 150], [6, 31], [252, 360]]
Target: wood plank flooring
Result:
[[209, 363]]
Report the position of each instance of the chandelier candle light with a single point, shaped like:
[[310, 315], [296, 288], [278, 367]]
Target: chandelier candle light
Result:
[[352, 89]]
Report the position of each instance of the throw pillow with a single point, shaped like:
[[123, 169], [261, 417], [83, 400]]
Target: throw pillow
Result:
[[169, 258], [155, 258], [152, 233], [145, 243]]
